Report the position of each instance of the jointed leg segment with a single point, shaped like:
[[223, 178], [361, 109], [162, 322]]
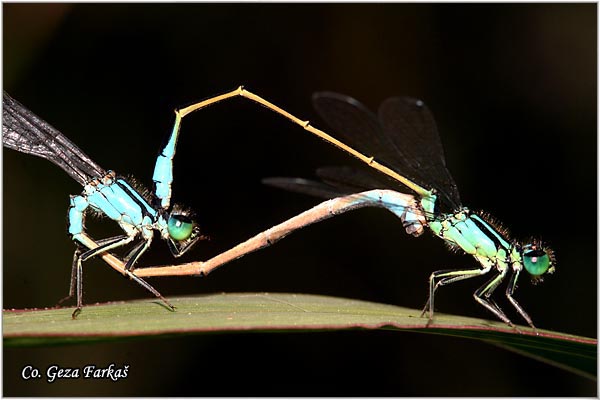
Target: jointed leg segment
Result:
[[444, 277], [102, 250], [484, 293]]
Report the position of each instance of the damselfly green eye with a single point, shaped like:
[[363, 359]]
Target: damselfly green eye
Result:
[[536, 260], [180, 227]]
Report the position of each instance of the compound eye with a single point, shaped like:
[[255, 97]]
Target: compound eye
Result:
[[536, 260], [180, 227]]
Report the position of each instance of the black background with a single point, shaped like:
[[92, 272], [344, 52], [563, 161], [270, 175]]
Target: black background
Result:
[[513, 89]]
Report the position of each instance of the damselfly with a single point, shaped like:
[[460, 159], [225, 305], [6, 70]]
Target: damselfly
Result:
[[404, 137], [137, 211], [402, 142]]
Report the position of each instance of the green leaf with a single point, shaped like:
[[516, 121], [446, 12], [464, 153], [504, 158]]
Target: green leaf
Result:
[[280, 312]]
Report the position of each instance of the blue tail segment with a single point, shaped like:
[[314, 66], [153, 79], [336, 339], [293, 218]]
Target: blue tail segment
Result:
[[163, 170]]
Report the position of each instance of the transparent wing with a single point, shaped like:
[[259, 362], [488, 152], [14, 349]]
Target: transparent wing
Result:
[[354, 124], [304, 186], [352, 180], [24, 131], [319, 189], [404, 137], [410, 126], [336, 181]]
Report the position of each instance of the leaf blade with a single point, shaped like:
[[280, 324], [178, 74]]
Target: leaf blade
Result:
[[272, 312]]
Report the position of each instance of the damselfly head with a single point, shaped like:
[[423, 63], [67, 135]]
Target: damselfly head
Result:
[[182, 229], [538, 260]]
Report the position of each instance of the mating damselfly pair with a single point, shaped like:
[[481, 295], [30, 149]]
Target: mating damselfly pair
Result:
[[401, 141]]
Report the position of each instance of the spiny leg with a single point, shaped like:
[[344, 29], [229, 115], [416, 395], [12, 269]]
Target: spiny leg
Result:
[[111, 243], [445, 277], [139, 280], [76, 255], [486, 291], [509, 292], [122, 240], [149, 288], [108, 244], [79, 257], [491, 300], [136, 251], [79, 282], [73, 276]]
